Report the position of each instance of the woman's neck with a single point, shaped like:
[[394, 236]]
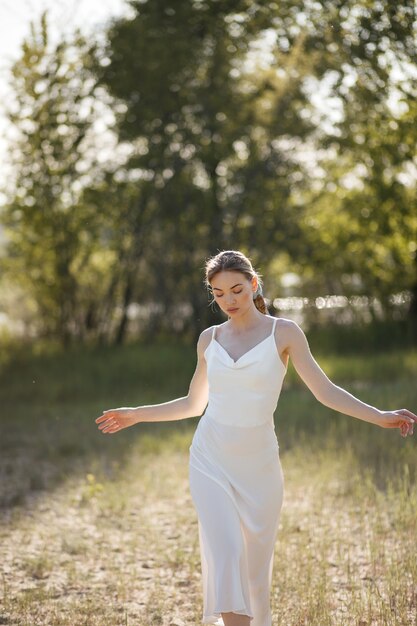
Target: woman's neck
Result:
[[245, 322]]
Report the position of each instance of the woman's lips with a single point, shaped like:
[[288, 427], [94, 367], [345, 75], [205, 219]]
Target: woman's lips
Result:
[[231, 310]]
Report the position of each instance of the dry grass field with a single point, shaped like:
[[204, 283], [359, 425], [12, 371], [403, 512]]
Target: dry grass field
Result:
[[99, 530]]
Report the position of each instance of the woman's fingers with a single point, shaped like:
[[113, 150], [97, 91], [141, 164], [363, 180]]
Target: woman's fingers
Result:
[[113, 420], [109, 421], [109, 428], [404, 430], [107, 418], [108, 424], [106, 415], [406, 421], [411, 417], [100, 421]]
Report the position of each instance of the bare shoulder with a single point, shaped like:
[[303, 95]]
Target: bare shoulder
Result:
[[285, 324], [286, 331], [204, 340]]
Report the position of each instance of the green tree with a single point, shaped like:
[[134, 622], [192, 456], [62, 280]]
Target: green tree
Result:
[[214, 134], [204, 126], [51, 234], [361, 225]]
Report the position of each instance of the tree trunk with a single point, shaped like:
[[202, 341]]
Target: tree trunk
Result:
[[127, 298], [412, 311]]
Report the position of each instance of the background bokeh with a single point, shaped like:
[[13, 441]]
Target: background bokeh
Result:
[[140, 144], [136, 140]]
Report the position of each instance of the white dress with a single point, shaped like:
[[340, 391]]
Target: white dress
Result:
[[236, 480]]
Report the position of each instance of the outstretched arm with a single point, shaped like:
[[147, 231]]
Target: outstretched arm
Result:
[[191, 405], [335, 397]]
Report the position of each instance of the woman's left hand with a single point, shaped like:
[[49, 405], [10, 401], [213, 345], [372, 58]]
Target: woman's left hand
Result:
[[402, 419]]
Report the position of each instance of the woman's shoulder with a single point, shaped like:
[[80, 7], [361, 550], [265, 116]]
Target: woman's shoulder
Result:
[[281, 321], [207, 332], [285, 328], [206, 336]]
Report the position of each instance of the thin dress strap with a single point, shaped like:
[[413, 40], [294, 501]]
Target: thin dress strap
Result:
[[273, 326], [214, 333]]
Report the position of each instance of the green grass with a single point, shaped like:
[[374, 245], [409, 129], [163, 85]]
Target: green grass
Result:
[[99, 530]]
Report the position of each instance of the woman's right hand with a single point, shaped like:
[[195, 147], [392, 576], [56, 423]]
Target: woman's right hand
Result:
[[402, 419], [113, 420]]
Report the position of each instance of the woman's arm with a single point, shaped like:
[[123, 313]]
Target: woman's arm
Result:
[[333, 396], [191, 405]]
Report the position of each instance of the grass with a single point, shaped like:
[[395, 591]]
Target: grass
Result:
[[100, 530]]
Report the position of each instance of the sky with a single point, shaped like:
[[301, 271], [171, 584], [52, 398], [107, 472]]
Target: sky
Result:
[[15, 16], [65, 15]]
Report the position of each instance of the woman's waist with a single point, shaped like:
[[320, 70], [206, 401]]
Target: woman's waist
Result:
[[247, 440], [240, 415]]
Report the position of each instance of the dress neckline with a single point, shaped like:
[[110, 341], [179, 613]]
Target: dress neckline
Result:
[[245, 353], [235, 362]]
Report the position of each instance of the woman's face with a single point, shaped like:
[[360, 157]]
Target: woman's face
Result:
[[233, 292]]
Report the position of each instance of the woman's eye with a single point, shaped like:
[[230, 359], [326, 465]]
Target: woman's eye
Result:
[[235, 292]]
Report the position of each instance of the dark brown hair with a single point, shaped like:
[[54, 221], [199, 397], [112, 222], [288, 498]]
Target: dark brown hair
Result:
[[235, 261]]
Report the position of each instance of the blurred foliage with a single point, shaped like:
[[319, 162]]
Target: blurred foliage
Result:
[[362, 223], [216, 141], [203, 125], [51, 232]]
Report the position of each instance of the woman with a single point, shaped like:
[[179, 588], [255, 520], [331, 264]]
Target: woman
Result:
[[236, 480]]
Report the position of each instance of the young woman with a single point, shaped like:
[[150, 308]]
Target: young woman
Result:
[[236, 480]]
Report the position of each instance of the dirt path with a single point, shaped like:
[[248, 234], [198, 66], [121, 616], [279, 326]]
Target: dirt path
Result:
[[126, 554]]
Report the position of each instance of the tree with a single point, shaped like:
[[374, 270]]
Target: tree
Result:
[[51, 233], [214, 136], [203, 128], [362, 220]]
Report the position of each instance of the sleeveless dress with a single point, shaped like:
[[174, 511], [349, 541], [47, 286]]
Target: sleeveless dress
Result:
[[236, 480]]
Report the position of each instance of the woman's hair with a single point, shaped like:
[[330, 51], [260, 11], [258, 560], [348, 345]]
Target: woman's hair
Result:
[[235, 261]]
